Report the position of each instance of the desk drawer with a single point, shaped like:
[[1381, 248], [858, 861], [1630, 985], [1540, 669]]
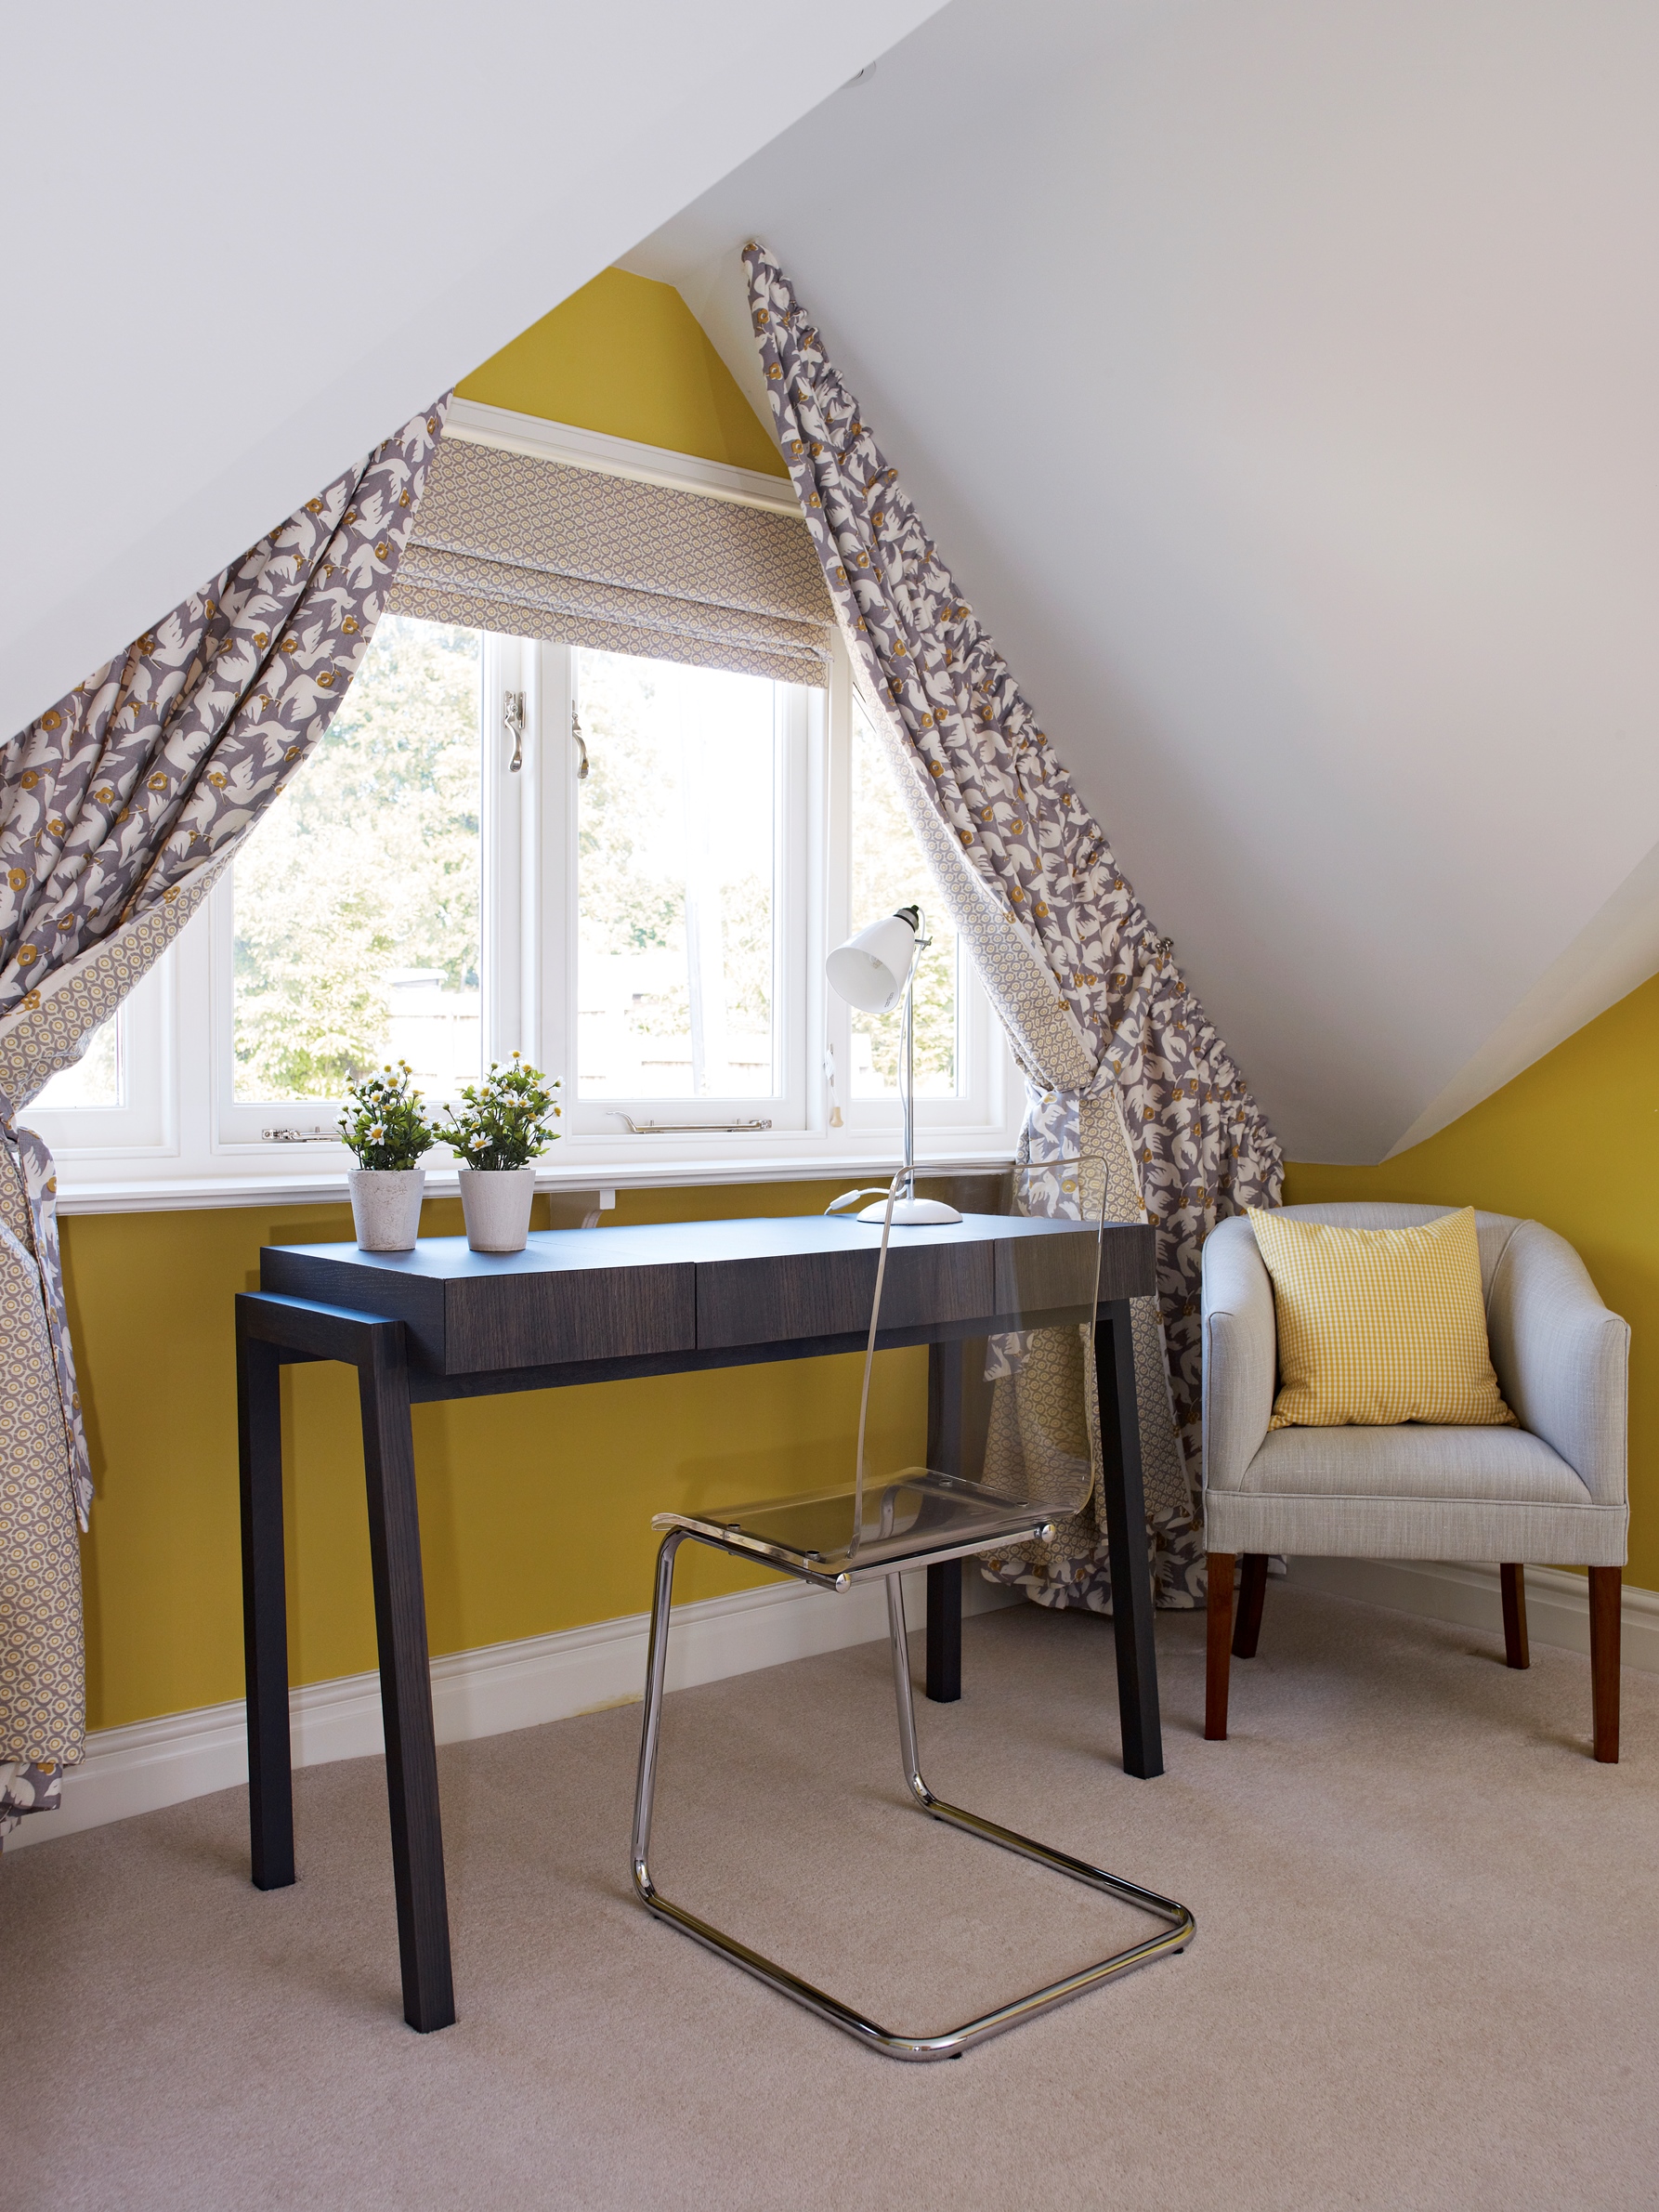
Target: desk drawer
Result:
[[778, 1301], [576, 1313]]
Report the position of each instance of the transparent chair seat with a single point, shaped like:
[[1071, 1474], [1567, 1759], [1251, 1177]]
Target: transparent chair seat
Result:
[[1042, 1458], [915, 1516]]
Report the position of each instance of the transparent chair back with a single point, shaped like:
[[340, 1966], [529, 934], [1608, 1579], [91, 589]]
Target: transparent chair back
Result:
[[1040, 1289], [1043, 1440]]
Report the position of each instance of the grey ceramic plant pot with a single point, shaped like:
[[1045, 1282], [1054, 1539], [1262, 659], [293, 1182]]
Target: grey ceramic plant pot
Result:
[[496, 1202], [385, 1207]]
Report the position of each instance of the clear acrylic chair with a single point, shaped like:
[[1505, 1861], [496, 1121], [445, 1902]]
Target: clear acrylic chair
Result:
[[1042, 1460]]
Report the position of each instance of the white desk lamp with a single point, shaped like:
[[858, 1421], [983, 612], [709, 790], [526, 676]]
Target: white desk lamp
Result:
[[873, 972]]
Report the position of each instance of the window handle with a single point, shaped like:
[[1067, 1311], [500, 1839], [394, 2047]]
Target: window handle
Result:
[[581, 746], [513, 719], [685, 1129]]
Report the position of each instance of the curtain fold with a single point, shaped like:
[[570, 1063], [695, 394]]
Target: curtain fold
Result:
[[537, 548], [119, 807], [1118, 1056]]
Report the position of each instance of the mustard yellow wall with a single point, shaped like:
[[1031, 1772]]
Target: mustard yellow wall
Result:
[[535, 1509], [627, 357], [1574, 1142]]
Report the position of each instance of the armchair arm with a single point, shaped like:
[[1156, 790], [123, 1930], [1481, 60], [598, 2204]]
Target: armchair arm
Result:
[[1561, 1358], [1241, 1353]]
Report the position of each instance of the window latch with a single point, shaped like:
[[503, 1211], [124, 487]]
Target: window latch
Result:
[[513, 719], [300, 1136], [686, 1129], [581, 746]]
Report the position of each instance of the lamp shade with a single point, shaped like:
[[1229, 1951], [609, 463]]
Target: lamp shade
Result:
[[870, 970]]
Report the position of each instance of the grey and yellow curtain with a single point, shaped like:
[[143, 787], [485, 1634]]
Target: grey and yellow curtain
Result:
[[119, 806], [1119, 1058]]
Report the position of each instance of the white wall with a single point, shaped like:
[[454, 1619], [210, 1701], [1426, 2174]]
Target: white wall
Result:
[[245, 244], [1279, 377]]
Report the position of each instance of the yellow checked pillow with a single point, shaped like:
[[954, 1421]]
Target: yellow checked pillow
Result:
[[1380, 1325]]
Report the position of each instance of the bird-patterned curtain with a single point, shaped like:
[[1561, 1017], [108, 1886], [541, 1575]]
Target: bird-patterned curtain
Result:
[[119, 807], [1119, 1058]]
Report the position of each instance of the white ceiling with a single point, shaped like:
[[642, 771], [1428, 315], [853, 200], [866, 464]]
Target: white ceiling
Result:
[[245, 244], [1279, 380]]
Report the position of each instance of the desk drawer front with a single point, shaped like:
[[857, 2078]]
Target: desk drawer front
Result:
[[821, 1294], [589, 1313]]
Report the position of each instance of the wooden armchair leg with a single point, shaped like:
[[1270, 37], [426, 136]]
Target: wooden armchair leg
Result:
[[1515, 1589], [1252, 1588], [1606, 1594], [1218, 1648]]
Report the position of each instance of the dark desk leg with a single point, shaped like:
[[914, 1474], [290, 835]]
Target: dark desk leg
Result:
[[406, 1685], [945, 1582], [1125, 1539], [264, 1613]]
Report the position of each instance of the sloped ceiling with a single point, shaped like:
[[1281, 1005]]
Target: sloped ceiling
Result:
[[1280, 380], [245, 244]]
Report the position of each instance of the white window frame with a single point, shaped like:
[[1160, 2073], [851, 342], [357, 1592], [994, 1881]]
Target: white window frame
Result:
[[799, 771], [141, 1125], [181, 1137]]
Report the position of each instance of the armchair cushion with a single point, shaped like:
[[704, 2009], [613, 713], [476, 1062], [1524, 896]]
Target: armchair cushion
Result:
[[1380, 1325], [1416, 1459]]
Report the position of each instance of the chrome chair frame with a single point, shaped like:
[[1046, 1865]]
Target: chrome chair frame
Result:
[[949, 2043]]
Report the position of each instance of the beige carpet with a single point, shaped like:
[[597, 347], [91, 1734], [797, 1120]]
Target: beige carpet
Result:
[[1427, 1969]]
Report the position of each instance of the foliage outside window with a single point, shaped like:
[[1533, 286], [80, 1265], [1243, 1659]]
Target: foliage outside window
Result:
[[356, 897]]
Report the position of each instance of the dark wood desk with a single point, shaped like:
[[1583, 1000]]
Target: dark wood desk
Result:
[[582, 1305]]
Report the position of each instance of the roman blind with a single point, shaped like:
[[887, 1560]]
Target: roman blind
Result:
[[537, 548]]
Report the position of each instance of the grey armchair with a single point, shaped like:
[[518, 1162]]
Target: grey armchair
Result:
[[1552, 1490]]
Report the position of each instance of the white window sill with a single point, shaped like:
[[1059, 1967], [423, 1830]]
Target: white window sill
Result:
[[323, 1183]]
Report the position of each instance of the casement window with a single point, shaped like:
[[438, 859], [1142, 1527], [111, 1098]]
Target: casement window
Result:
[[627, 865]]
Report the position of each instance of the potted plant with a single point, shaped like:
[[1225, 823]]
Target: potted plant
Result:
[[502, 1126], [384, 1124]]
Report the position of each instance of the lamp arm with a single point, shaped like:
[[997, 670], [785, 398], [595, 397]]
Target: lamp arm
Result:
[[851, 1198]]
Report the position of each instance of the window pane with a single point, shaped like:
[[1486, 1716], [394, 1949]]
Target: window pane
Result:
[[357, 896], [676, 870], [95, 1079], [889, 872]]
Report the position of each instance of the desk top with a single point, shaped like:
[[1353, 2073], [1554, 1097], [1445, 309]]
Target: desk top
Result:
[[684, 1287], [666, 1244]]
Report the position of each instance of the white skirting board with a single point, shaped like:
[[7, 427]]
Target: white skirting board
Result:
[[153, 1763], [550, 1677], [1558, 1605]]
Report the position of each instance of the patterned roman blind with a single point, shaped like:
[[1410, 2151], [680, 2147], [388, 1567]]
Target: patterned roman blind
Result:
[[536, 548]]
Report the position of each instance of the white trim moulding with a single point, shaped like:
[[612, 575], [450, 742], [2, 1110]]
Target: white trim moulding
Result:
[[327, 1187], [1558, 1605], [525, 1684], [513, 433]]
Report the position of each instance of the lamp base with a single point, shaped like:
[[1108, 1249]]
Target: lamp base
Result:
[[912, 1213]]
